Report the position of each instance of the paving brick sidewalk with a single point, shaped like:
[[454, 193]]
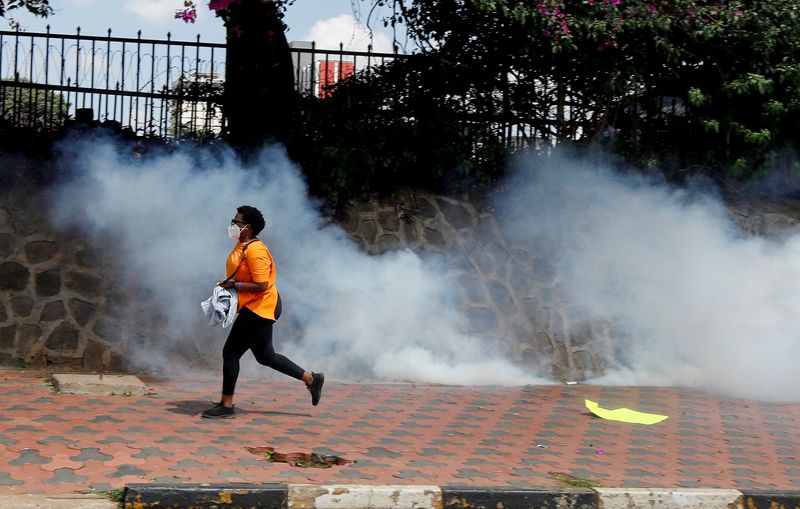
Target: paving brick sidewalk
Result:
[[392, 434]]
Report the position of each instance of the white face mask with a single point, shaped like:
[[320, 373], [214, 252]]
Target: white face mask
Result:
[[234, 232]]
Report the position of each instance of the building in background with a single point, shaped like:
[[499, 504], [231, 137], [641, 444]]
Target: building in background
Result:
[[317, 71], [196, 107]]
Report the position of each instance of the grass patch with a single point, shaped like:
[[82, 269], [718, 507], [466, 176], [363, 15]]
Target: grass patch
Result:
[[116, 495], [572, 481]]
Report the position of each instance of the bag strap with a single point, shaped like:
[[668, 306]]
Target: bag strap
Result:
[[244, 248]]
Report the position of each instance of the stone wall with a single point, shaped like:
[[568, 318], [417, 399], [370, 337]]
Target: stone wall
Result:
[[57, 304], [62, 304], [509, 293]]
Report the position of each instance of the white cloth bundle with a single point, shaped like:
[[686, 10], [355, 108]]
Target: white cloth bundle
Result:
[[221, 307]]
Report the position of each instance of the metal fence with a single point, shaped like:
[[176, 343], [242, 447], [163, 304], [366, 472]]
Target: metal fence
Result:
[[154, 87], [318, 70], [171, 89]]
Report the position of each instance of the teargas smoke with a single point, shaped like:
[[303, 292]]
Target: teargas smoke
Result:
[[696, 303], [165, 217]]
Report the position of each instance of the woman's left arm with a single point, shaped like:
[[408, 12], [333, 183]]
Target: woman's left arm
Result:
[[243, 286], [251, 287]]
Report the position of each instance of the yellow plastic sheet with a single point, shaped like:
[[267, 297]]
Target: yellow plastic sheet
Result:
[[624, 414]]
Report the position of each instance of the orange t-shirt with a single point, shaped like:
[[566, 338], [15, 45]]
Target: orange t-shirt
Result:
[[258, 267]]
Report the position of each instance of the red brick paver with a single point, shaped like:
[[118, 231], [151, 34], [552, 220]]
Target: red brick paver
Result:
[[392, 434]]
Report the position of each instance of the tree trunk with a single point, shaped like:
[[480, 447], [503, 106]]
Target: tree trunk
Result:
[[259, 78]]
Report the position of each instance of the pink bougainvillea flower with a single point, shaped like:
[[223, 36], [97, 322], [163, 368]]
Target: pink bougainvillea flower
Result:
[[189, 12], [542, 9], [237, 29], [187, 16], [607, 43]]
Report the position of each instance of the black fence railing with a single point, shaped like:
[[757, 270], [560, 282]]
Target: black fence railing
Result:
[[153, 87], [173, 89], [318, 70]]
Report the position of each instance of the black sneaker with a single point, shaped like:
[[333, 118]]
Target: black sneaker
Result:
[[316, 387], [219, 411]]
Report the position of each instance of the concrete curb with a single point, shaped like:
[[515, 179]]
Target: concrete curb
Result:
[[347, 496], [200, 496], [72, 501], [517, 498]]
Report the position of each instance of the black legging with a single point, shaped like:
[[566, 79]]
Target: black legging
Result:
[[252, 332]]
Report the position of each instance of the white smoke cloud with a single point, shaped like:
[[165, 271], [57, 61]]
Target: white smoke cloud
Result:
[[392, 317], [700, 304], [695, 303]]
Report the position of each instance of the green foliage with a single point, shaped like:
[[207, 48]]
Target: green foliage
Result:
[[698, 82], [36, 7], [697, 99], [574, 482], [740, 167], [367, 138], [116, 495], [29, 106], [711, 126], [664, 83]]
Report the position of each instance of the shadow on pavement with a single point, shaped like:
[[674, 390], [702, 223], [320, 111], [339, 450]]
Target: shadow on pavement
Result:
[[195, 407]]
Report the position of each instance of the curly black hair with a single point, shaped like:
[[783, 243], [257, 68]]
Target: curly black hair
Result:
[[253, 217]]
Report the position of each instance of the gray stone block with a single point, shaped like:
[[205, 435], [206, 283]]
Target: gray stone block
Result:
[[7, 336], [29, 501], [108, 331], [48, 283], [388, 220], [369, 231], [456, 214], [38, 251], [473, 290], [388, 243], [6, 245], [99, 385], [64, 338], [426, 209], [29, 336], [435, 238], [22, 306], [81, 310], [481, 320], [85, 284], [53, 311], [88, 257], [14, 276]]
